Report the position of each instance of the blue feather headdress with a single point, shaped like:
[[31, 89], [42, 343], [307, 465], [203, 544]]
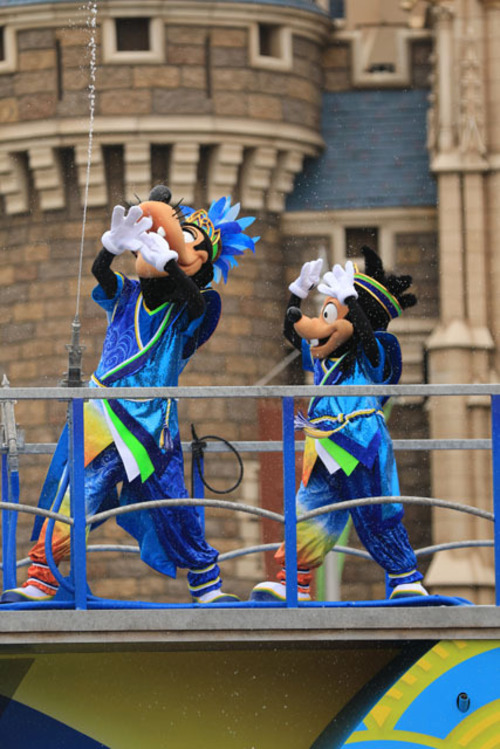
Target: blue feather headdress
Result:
[[225, 231]]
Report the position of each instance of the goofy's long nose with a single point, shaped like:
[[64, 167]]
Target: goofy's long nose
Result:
[[312, 328]]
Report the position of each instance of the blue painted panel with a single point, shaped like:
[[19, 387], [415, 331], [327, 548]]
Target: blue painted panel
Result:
[[21, 726], [478, 677], [375, 154]]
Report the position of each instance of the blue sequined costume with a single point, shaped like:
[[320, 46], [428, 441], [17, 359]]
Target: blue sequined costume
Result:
[[137, 442], [353, 459]]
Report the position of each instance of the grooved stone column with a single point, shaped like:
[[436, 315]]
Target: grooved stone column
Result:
[[184, 170], [492, 74], [47, 175], [137, 168], [461, 346], [13, 184], [97, 195]]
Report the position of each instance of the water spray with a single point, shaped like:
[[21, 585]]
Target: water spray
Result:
[[73, 377]]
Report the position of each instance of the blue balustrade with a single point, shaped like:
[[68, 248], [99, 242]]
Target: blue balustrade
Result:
[[75, 586]]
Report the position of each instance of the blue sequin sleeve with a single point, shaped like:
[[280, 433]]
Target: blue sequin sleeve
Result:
[[99, 296]]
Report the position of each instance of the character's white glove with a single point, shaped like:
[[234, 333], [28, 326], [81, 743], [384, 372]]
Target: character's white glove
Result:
[[126, 230], [156, 250], [339, 283], [308, 278]]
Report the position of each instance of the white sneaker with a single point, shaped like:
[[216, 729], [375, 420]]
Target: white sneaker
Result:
[[216, 596], [274, 591], [408, 589], [25, 593]]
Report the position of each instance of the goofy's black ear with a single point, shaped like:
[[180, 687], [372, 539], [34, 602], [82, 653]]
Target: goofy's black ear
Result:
[[373, 264], [404, 282], [397, 285], [407, 300], [161, 193]]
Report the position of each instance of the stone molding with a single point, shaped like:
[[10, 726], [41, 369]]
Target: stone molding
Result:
[[97, 192], [137, 162], [9, 63], [263, 155], [459, 334], [443, 10], [306, 23], [13, 184], [47, 176], [184, 169], [456, 119], [204, 127], [472, 115], [226, 160], [332, 224], [241, 151]]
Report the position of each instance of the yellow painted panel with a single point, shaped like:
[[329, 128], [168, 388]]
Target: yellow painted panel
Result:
[[201, 700]]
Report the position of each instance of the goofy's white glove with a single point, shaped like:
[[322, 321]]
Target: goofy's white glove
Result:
[[308, 279], [339, 283], [156, 250], [126, 231]]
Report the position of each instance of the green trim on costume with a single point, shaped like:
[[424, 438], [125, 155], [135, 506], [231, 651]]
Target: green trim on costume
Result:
[[146, 467], [336, 363], [345, 460], [152, 312], [372, 286]]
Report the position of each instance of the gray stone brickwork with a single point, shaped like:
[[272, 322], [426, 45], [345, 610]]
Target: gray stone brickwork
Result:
[[206, 73]]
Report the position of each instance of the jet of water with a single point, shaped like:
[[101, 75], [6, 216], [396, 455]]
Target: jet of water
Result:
[[73, 377]]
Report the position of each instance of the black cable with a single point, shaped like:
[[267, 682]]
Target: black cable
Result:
[[198, 445]]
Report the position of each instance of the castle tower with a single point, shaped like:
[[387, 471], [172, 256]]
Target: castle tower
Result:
[[210, 98]]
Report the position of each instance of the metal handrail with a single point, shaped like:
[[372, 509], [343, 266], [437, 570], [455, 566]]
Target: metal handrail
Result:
[[76, 396], [276, 446], [236, 553], [221, 504], [246, 391]]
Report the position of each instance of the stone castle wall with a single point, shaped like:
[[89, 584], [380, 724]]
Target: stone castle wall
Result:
[[187, 122]]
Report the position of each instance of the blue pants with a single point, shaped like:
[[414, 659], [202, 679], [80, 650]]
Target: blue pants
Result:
[[379, 527], [169, 537]]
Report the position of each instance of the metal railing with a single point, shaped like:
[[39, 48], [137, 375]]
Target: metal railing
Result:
[[75, 585]]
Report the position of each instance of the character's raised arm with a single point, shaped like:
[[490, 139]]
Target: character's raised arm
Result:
[[363, 331], [306, 281], [126, 232]]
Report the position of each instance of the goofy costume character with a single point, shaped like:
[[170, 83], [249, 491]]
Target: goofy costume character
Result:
[[155, 324], [348, 450]]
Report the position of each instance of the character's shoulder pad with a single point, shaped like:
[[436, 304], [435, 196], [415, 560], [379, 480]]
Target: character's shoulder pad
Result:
[[213, 308]]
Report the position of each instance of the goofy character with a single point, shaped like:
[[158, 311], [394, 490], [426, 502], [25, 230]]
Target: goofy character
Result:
[[155, 324], [348, 450]]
